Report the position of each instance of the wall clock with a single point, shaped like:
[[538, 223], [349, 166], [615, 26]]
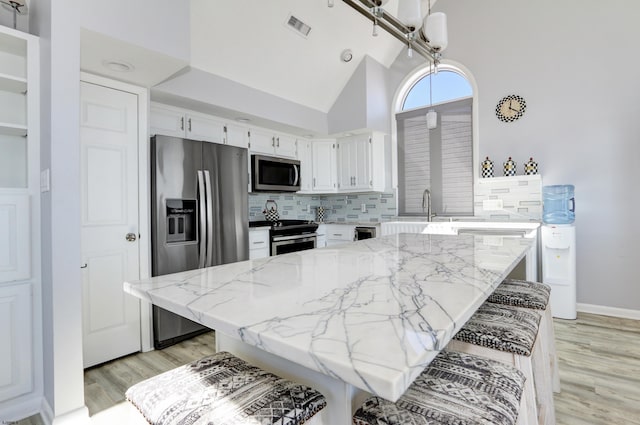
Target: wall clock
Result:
[[510, 108]]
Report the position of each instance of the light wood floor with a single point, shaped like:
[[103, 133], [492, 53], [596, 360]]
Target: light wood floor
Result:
[[599, 371]]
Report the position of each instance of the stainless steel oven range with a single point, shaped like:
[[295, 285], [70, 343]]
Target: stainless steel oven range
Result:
[[289, 235]]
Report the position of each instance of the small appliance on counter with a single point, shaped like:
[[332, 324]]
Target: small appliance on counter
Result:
[[558, 235]]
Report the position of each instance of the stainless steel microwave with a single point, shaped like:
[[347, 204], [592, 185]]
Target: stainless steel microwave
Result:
[[271, 174]]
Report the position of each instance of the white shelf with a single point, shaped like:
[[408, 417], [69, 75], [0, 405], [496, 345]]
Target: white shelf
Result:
[[13, 129], [12, 83]]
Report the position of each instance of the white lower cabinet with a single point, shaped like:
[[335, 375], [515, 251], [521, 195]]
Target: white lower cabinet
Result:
[[16, 376], [258, 243], [340, 233], [321, 238]]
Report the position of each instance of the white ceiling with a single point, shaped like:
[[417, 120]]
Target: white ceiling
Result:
[[248, 41]]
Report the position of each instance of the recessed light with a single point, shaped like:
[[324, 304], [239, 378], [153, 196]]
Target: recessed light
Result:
[[346, 55], [118, 65]]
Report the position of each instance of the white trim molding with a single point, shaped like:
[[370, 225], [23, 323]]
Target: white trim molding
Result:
[[603, 310]]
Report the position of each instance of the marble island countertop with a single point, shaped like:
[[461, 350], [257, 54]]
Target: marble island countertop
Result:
[[371, 313]]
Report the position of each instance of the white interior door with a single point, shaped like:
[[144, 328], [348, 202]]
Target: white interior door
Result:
[[110, 252]]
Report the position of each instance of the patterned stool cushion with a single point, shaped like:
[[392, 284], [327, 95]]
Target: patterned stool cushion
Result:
[[522, 293], [223, 390], [502, 327], [456, 388]]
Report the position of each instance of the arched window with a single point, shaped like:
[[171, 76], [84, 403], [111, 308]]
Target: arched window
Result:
[[436, 159], [446, 85]]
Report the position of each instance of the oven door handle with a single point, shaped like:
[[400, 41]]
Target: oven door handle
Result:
[[293, 237]]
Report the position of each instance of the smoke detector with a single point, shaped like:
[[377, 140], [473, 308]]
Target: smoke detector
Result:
[[346, 55]]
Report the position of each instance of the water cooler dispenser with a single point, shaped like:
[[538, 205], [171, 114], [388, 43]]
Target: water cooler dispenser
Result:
[[558, 240]]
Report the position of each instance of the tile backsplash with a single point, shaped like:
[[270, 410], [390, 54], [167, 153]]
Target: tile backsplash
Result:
[[509, 198], [338, 208]]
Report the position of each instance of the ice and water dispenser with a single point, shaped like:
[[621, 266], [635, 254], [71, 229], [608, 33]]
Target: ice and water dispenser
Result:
[[558, 237], [181, 220]]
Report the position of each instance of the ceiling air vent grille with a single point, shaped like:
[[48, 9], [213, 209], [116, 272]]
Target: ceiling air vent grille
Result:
[[298, 26]]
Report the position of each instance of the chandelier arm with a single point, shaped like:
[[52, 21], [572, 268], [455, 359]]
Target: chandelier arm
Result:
[[395, 28]]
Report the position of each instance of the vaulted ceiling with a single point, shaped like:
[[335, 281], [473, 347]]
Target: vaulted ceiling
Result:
[[249, 42]]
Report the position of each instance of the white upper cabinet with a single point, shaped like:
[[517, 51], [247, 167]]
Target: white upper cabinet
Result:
[[177, 122], [324, 166], [236, 136], [364, 163], [270, 143], [306, 165], [354, 163]]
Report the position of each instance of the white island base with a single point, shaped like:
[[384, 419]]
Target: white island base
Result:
[[342, 398]]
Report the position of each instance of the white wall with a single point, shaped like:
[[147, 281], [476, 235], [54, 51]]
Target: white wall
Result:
[[58, 27], [576, 63]]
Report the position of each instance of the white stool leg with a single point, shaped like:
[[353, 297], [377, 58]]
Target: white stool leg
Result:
[[547, 318], [542, 377], [528, 415]]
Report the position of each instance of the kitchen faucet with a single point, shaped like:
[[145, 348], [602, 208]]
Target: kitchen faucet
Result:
[[426, 203]]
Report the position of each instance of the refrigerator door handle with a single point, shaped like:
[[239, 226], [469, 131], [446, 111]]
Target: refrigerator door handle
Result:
[[295, 180], [207, 179], [202, 231]]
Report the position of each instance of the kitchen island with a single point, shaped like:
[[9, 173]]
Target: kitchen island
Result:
[[361, 318]]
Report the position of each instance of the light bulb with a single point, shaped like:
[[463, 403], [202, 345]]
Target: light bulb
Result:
[[409, 51]]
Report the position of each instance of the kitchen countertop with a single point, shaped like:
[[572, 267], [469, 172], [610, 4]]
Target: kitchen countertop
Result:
[[371, 313]]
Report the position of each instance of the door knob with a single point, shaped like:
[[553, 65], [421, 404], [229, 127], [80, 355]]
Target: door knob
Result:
[[130, 237]]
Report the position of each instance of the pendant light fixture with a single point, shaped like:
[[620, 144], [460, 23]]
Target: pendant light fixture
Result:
[[427, 37], [410, 14], [432, 115]]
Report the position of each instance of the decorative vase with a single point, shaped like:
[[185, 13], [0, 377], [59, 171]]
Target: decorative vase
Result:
[[487, 168], [530, 167], [509, 167]]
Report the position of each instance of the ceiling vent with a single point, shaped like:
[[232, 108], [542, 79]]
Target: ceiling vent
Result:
[[298, 26]]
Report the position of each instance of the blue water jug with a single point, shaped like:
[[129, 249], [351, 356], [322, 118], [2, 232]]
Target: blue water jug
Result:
[[559, 205]]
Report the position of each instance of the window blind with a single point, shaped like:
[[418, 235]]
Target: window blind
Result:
[[439, 160]]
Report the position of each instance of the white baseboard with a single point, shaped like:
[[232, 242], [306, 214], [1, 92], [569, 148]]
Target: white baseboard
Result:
[[76, 417], [609, 311]]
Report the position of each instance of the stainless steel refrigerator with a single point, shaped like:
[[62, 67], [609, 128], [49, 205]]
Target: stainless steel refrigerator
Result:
[[199, 216]]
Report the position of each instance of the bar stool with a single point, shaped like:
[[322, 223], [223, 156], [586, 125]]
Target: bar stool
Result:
[[455, 388], [510, 335], [223, 390], [534, 295]]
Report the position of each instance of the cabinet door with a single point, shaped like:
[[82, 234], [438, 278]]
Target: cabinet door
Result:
[[324, 166], [15, 247], [361, 163], [286, 146], [204, 127], [16, 334], [261, 142], [236, 136], [305, 156], [258, 243], [345, 175], [167, 121]]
